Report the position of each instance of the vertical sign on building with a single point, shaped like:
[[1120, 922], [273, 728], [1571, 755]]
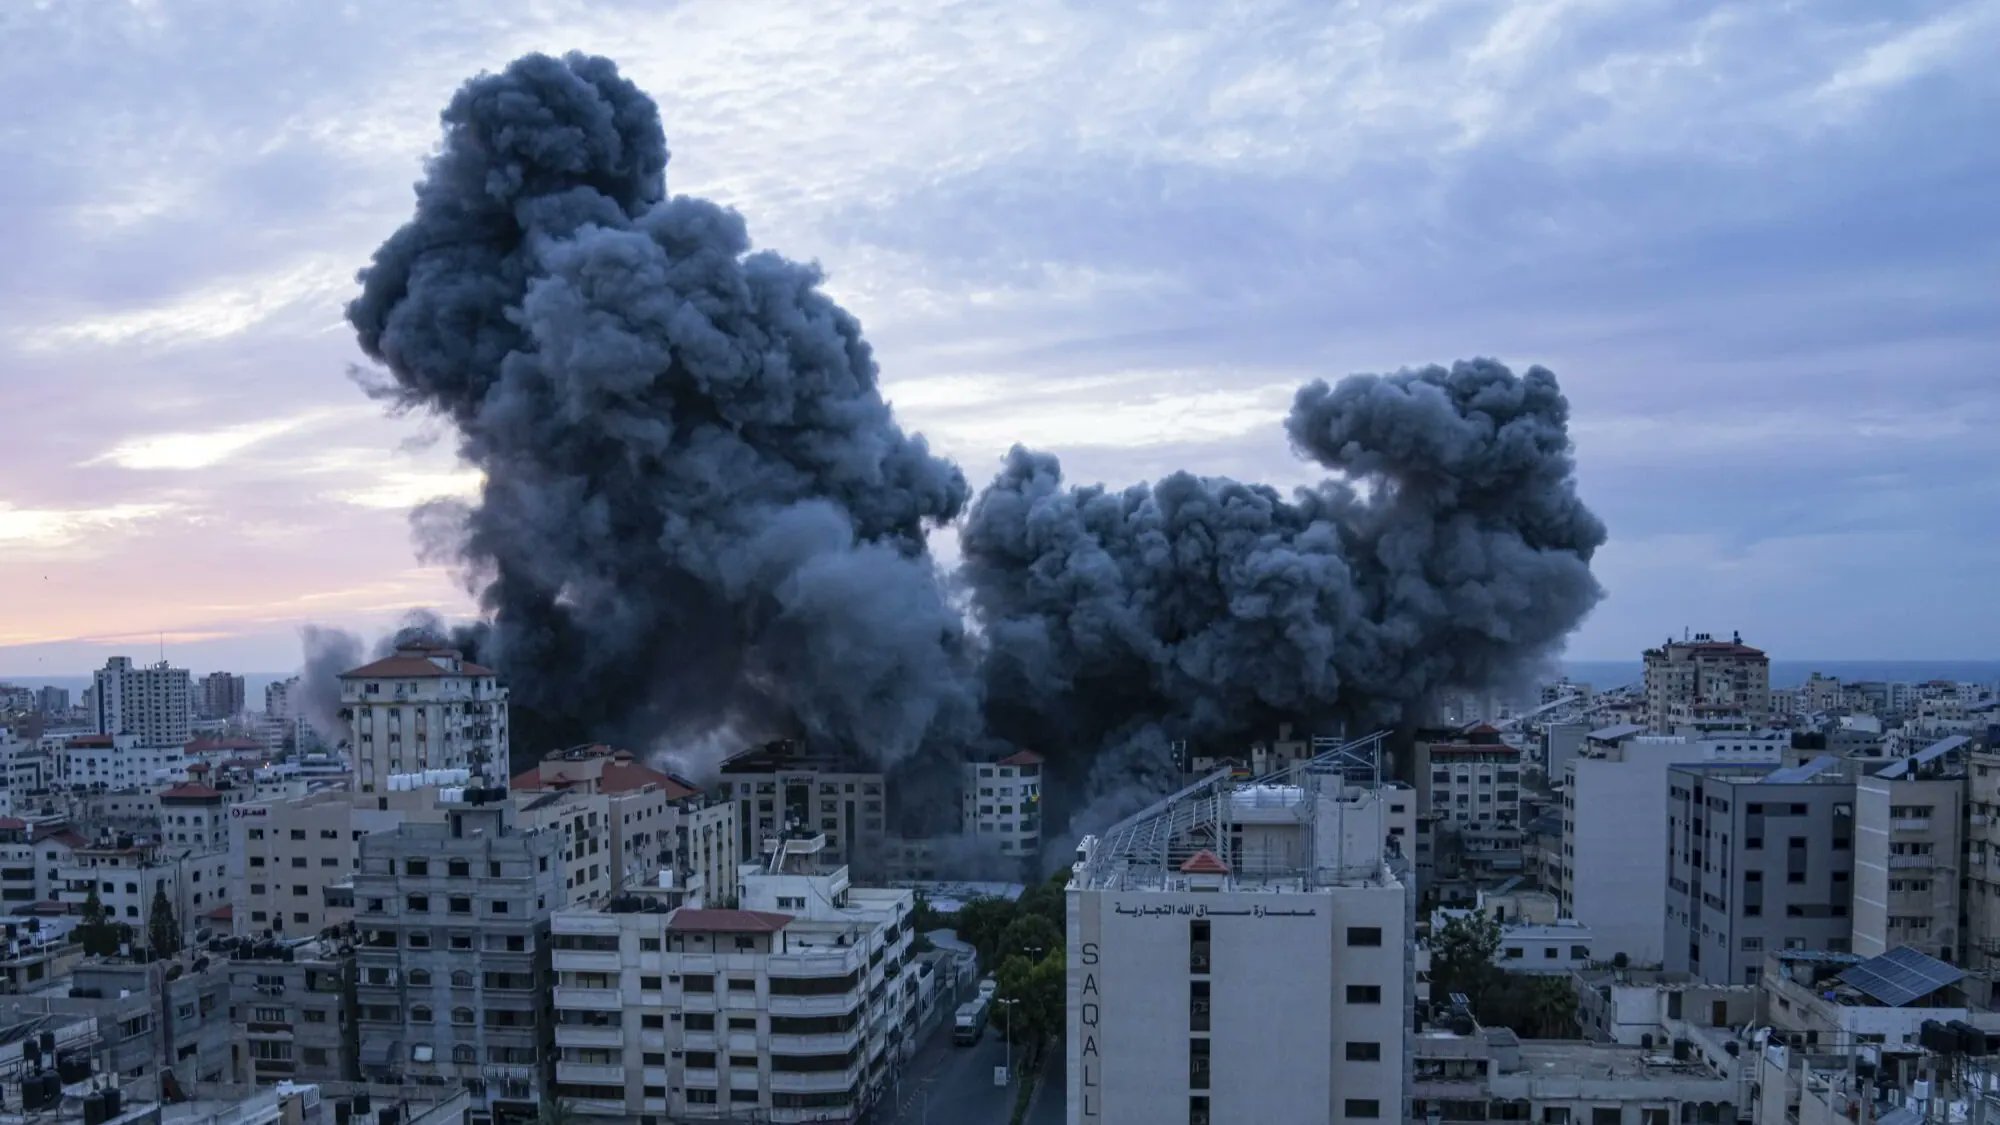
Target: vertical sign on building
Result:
[[1085, 1016]]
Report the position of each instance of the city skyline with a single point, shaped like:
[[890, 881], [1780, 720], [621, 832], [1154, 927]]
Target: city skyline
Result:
[[1133, 271]]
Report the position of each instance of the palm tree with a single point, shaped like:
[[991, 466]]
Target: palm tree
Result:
[[555, 1111]]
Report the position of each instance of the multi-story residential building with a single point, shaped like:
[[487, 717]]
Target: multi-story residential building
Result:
[[292, 858], [128, 871], [221, 696], [1982, 866], [452, 960], [1909, 850], [782, 786], [30, 854], [656, 821], [1226, 919], [114, 761], [196, 816], [792, 1009], [424, 708], [1469, 804], [153, 703], [293, 1005], [35, 950], [1612, 874], [52, 702], [1760, 859], [1703, 677], [1000, 803]]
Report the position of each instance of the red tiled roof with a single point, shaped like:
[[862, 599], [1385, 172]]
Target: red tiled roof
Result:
[[1021, 758], [12, 824], [68, 838], [222, 913], [627, 777], [1204, 862], [198, 767], [189, 791], [689, 919], [530, 779], [411, 667], [1481, 728]]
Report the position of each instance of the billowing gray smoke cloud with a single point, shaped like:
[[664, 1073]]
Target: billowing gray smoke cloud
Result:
[[329, 652], [697, 506], [1454, 550]]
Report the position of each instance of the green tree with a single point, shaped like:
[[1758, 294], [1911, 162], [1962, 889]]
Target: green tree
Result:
[[96, 931], [980, 924], [1047, 899], [555, 1111], [1031, 935], [163, 932], [1037, 988], [1534, 1005], [1462, 953]]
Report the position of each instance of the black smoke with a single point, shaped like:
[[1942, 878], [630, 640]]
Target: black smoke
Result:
[[699, 513], [697, 508], [1451, 550]]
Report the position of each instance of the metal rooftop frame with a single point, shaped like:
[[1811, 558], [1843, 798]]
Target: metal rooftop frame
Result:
[[1155, 840]]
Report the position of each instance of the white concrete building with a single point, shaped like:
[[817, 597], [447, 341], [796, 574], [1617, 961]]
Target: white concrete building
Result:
[[114, 761], [1469, 804], [1224, 921], [783, 786], [1613, 877], [154, 703], [1001, 803], [792, 1009], [127, 872], [655, 821], [424, 708], [1702, 677]]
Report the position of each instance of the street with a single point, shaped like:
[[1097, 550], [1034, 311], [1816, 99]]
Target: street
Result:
[[1048, 1106], [959, 1081]]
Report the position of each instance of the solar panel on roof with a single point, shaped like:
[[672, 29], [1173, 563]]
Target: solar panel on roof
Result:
[[1902, 975]]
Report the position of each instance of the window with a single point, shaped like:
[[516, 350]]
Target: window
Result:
[[1364, 935], [461, 1015], [298, 833], [656, 1022], [419, 903], [1361, 1109], [1364, 994], [416, 867], [1364, 1051], [420, 1014], [458, 869], [1606, 1115], [1549, 953], [1513, 953], [459, 905], [499, 906], [649, 984], [461, 978]]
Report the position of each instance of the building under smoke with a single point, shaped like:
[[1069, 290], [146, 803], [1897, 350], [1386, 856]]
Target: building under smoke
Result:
[[699, 513]]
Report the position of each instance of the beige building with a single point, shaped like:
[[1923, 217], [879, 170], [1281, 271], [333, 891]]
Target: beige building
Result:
[[196, 816], [1468, 794], [1908, 856], [651, 821], [1703, 679], [795, 1008], [424, 708], [291, 858], [1982, 865]]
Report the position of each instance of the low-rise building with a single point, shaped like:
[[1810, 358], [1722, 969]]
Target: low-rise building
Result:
[[294, 1010], [128, 871], [1482, 1074], [154, 1013]]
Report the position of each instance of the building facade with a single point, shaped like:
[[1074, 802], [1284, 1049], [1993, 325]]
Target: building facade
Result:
[[1469, 804], [782, 786], [424, 708], [221, 696], [794, 1008], [1760, 859], [293, 1005], [1908, 858], [1703, 677], [452, 956], [154, 703], [1000, 803], [1208, 928]]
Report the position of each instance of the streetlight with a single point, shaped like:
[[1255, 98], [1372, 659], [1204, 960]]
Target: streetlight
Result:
[[1009, 1066]]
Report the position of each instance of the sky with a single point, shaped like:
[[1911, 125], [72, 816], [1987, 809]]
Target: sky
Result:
[[1757, 242]]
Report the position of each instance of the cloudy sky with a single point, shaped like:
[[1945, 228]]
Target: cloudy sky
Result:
[[1756, 241]]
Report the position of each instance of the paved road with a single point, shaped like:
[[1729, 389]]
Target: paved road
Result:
[[960, 1082]]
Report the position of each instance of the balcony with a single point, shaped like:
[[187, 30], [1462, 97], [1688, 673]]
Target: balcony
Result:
[[699, 1078], [580, 1035], [814, 1082], [584, 960], [595, 1074], [816, 965], [1912, 861], [838, 1004], [802, 1115], [832, 1042], [597, 1107], [1911, 824], [588, 999]]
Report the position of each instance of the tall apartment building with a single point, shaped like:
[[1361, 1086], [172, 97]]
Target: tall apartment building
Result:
[[452, 960], [783, 786], [1982, 864], [221, 696], [1469, 804], [1909, 846], [794, 1008], [1760, 859], [155, 703], [1703, 678], [52, 701], [1000, 803], [1612, 873], [655, 820], [424, 708], [1224, 920]]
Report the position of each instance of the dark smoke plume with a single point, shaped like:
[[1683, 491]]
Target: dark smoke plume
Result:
[[1206, 610], [699, 515], [329, 652], [697, 507]]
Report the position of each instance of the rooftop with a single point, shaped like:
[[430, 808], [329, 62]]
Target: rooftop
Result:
[[690, 919], [417, 662]]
